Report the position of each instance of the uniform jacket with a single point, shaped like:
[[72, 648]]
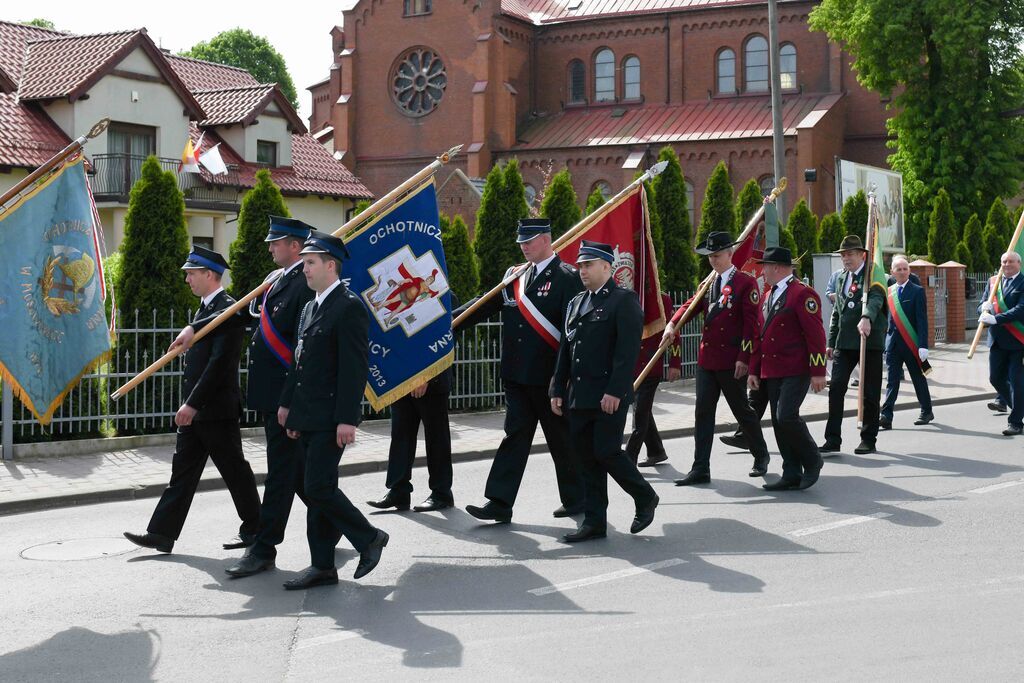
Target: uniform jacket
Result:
[[842, 331], [1014, 296], [649, 346], [326, 383], [599, 348], [792, 338], [209, 380], [730, 324], [526, 358], [915, 305]]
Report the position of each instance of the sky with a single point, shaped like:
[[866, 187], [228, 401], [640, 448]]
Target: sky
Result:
[[300, 32]]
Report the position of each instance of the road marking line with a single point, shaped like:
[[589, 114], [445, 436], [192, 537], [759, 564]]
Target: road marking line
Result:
[[602, 578], [327, 639], [997, 487], [850, 521]]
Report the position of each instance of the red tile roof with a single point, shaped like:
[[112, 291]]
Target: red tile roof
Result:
[[12, 45], [733, 118], [552, 11], [232, 105], [28, 137], [56, 67], [200, 75]]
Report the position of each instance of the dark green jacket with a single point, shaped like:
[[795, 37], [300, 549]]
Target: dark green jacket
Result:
[[842, 330]]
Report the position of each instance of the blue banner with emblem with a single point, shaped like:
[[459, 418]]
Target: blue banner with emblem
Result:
[[398, 270], [53, 328]]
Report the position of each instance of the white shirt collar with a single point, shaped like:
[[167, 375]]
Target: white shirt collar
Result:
[[857, 272], [323, 295], [539, 268], [727, 275], [292, 267], [781, 287], [213, 295]]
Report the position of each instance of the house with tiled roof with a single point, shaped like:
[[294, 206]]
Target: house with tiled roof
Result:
[[54, 86], [595, 86]]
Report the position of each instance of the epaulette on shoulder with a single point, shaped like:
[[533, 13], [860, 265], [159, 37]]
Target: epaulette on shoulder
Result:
[[274, 274], [569, 268]]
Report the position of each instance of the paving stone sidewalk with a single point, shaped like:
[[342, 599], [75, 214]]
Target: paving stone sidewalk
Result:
[[73, 478]]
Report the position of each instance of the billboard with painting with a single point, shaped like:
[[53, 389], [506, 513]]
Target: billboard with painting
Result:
[[888, 187]]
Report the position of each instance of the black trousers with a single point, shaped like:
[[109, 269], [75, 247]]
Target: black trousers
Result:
[[597, 439], [843, 363], [285, 470], [406, 415], [710, 385], [330, 514], [894, 362], [525, 407], [1006, 374], [220, 440], [798, 450], [645, 430]]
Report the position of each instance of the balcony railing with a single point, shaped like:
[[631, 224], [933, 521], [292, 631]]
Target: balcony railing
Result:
[[115, 174]]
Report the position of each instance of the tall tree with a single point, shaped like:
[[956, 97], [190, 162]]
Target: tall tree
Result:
[[831, 232], [952, 69], [514, 192], [747, 204], [679, 265], [463, 272], [998, 232], [803, 225], [495, 238], [974, 244], [717, 213], [594, 200], [249, 257], [246, 50], [855, 215], [559, 204], [942, 233]]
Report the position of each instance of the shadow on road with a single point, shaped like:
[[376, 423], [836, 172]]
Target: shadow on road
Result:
[[78, 654]]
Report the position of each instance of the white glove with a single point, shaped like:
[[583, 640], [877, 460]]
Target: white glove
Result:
[[922, 354], [987, 319], [986, 306]]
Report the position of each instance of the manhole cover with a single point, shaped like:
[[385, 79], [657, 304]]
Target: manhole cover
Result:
[[78, 549]]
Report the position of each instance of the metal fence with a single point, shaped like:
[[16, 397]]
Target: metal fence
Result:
[[974, 287], [939, 320], [88, 411]]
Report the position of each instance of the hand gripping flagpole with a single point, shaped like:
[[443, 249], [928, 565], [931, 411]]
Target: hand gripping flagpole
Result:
[[999, 276], [356, 222], [686, 313], [571, 234]]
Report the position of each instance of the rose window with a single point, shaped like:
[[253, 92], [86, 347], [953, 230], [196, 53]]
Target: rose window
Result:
[[419, 81]]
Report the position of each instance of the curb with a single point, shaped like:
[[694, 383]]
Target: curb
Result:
[[367, 466]]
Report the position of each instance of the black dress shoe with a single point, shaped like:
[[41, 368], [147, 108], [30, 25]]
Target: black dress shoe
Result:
[[562, 511], [1012, 430], [433, 503], [585, 533], [312, 577], [652, 460], [829, 447], [735, 440], [997, 406], [760, 467], [148, 540], [782, 485], [924, 418], [491, 513], [391, 500], [240, 541], [249, 565], [885, 423], [369, 558], [809, 477], [694, 478], [644, 516], [864, 447]]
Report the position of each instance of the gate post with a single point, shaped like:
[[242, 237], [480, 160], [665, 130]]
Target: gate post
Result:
[[956, 301], [926, 272]]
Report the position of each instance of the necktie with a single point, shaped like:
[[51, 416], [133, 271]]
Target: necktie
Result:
[[316, 307], [771, 295], [531, 273], [716, 289]]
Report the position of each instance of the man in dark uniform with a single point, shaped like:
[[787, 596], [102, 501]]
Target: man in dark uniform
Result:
[[594, 381], [906, 342], [532, 309], [723, 357], [645, 430], [1002, 309], [788, 357], [321, 405], [427, 403], [850, 323], [208, 419]]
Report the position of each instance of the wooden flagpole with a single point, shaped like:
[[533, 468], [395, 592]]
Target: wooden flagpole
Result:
[[684, 315], [356, 222], [869, 278], [982, 326]]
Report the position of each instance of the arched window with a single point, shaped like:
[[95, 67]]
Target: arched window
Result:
[[690, 204], [787, 66], [726, 65], [755, 64], [577, 81], [631, 78], [604, 76]]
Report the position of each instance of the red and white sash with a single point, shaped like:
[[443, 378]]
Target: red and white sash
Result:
[[541, 325]]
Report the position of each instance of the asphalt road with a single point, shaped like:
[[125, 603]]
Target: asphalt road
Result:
[[906, 564]]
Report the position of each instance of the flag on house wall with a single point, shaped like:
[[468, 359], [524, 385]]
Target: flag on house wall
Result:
[[213, 161], [190, 157], [53, 329]]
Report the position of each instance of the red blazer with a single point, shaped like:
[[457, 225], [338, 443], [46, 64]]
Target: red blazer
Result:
[[792, 339], [650, 345], [730, 324]]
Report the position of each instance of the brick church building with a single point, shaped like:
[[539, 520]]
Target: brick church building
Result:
[[598, 86]]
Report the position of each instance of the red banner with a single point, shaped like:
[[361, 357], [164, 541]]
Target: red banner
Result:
[[627, 229]]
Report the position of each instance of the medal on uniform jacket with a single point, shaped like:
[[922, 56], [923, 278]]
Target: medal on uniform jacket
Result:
[[544, 289], [726, 296]]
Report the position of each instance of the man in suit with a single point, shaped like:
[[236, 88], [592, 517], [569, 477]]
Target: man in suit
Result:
[[906, 342], [594, 382], [321, 405], [531, 308], [723, 357], [207, 420], [645, 430], [1002, 309], [788, 358], [849, 323], [427, 403]]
